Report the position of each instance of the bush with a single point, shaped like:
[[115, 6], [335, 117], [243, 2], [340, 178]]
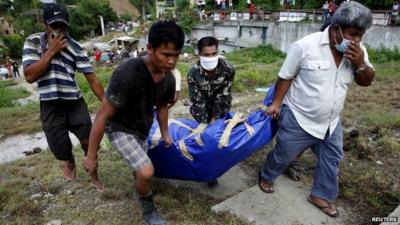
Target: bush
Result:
[[260, 54], [14, 44], [104, 75], [383, 55]]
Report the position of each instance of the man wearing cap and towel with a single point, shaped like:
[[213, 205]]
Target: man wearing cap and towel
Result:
[[51, 58]]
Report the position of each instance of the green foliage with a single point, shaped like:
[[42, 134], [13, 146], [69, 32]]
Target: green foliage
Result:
[[260, 54], [381, 119], [14, 44], [19, 119], [104, 75], [84, 18], [383, 55], [8, 95], [382, 4], [187, 16], [28, 25], [255, 67], [149, 6], [264, 4], [183, 68], [126, 17], [182, 4]]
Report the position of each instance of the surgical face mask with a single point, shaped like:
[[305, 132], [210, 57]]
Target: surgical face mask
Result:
[[344, 46], [209, 63]]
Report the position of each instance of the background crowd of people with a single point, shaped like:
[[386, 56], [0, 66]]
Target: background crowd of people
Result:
[[10, 69]]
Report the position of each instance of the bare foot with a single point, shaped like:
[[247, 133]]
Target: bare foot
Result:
[[69, 171], [96, 183], [100, 186], [264, 185]]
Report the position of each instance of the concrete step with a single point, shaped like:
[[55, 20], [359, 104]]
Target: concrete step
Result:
[[287, 206], [232, 182]]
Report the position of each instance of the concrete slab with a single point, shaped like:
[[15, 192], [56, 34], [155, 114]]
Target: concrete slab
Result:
[[232, 182], [287, 206], [394, 217], [13, 147]]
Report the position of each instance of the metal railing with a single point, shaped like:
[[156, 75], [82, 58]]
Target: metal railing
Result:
[[380, 17]]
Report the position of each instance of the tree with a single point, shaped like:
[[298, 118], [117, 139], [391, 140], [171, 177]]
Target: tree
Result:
[[149, 6], [14, 44], [84, 18], [186, 14]]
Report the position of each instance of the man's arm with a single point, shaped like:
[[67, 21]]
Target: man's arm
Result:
[[105, 112], [281, 88], [34, 71], [95, 85], [162, 117]]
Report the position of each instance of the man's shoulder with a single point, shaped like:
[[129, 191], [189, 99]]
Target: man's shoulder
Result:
[[76, 44], [308, 41], [34, 38], [313, 38], [227, 66], [195, 69], [131, 68]]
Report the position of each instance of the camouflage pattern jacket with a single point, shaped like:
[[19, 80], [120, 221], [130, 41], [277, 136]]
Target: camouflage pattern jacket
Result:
[[210, 96]]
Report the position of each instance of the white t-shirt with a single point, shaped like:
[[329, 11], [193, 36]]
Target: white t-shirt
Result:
[[318, 90], [177, 76]]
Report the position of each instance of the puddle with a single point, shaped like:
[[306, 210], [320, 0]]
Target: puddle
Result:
[[12, 148]]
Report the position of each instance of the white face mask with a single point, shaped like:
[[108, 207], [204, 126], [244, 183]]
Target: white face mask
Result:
[[344, 46], [209, 63]]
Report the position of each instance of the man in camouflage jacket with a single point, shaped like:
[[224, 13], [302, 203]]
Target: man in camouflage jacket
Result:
[[210, 83]]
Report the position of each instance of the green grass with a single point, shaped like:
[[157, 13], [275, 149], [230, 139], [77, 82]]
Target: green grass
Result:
[[371, 189], [8, 93], [7, 83], [16, 119], [77, 203], [255, 67], [104, 76], [383, 55], [261, 54], [19, 119]]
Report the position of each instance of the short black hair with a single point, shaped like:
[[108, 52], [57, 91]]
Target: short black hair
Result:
[[164, 32], [206, 42]]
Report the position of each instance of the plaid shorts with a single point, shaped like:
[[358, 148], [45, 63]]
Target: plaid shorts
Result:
[[132, 149]]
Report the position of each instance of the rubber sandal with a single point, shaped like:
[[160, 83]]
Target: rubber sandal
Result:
[[336, 214]]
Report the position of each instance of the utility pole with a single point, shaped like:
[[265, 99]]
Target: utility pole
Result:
[[102, 25], [143, 13]]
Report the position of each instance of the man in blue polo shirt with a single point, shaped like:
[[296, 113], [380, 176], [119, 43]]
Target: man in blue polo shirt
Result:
[[51, 58]]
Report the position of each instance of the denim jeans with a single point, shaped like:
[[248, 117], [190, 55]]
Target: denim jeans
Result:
[[292, 140]]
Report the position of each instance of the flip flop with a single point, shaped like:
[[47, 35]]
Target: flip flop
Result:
[[268, 190], [336, 214]]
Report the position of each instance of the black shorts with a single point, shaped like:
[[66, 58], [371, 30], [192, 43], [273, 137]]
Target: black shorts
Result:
[[60, 116]]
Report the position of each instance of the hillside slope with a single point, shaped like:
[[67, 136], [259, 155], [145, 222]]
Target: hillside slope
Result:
[[122, 7]]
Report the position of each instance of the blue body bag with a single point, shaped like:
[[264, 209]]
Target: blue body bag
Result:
[[203, 153]]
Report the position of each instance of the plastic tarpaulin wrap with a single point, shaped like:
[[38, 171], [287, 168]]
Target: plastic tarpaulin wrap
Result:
[[203, 153]]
